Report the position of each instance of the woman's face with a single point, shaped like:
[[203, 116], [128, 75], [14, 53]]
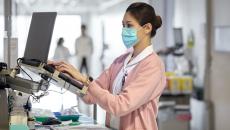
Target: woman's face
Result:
[[130, 22]]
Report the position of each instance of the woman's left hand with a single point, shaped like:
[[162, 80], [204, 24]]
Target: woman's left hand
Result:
[[69, 69]]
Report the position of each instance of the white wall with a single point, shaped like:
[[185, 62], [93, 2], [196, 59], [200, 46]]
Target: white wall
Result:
[[1, 36], [1, 7], [1, 30], [219, 79], [68, 27], [160, 40], [164, 36], [191, 15]]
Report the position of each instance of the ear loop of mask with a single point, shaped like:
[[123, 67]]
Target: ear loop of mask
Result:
[[142, 27]]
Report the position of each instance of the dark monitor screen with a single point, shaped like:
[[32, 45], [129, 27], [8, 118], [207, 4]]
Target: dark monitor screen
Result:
[[40, 35], [178, 35]]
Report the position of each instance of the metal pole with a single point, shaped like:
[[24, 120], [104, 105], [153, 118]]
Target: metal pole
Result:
[[209, 37], [4, 115], [8, 24]]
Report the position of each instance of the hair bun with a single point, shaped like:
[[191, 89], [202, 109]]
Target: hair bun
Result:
[[158, 22]]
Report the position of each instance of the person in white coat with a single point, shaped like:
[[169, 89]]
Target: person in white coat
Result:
[[84, 49], [61, 52]]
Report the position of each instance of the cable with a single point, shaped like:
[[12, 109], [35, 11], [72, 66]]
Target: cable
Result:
[[37, 98], [23, 69], [47, 82], [61, 92], [66, 89], [64, 84]]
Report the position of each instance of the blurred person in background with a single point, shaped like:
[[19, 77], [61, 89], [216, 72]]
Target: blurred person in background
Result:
[[61, 52], [84, 50], [129, 90]]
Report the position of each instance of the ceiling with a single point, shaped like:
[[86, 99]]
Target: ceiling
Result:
[[64, 6]]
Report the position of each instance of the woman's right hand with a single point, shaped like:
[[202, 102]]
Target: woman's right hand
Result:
[[69, 69]]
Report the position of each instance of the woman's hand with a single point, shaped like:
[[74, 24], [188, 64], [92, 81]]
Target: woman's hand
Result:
[[69, 69]]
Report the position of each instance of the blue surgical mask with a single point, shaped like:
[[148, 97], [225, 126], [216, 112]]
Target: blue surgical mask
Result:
[[129, 37]]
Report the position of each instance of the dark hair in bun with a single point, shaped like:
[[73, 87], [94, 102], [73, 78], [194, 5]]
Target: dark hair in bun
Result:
[[158, 22], [145, 13]]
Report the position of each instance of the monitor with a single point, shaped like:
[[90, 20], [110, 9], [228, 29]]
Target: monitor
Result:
[[39, 37]]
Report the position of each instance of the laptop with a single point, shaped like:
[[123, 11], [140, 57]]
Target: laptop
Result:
[[38, 44], [39, 38]]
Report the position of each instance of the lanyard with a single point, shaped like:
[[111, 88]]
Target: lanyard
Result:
[[125, 71]]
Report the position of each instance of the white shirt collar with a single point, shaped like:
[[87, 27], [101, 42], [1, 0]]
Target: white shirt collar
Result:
[[146, 52]]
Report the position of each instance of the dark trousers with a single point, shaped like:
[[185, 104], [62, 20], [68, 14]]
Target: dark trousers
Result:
[[84, 64]]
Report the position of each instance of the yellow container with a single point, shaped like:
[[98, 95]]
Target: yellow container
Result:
[[174, 85], [186, 84], [169, 74]]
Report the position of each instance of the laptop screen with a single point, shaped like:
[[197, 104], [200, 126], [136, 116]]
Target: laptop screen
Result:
[[40, 35]]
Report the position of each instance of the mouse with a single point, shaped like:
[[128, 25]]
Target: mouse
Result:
[[51, 121]]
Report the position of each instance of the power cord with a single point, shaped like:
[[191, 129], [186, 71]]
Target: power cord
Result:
[[23, 69], [36, 99], [61, 92]]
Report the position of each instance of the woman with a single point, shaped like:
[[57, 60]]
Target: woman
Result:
[[61, 52], [130, 88]]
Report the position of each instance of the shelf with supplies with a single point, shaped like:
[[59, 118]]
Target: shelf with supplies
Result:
[[178, 89], [178, 85], [174, 103]]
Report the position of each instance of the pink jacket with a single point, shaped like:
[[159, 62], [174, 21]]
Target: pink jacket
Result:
[[137, 104]]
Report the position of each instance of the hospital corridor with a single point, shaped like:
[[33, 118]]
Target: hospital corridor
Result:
[[114, 64]]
